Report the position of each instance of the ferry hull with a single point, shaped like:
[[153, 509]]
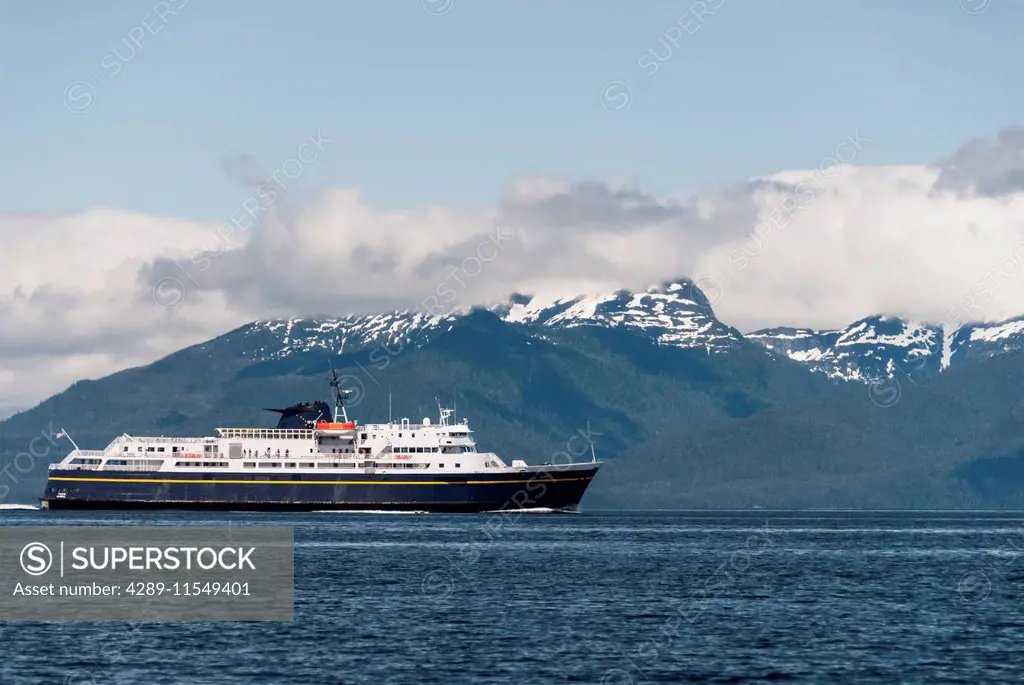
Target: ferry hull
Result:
[[553, 487]]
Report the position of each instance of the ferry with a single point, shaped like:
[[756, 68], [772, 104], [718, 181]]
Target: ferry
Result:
[[314, 461]]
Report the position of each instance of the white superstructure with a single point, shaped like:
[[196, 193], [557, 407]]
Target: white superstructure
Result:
[[427, 447]]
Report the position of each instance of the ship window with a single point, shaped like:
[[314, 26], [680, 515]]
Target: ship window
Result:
[[249, 464], [441, 465], [458, 465], [307, 465], [274, 465], [149, 449], [289, 465], [125, 449]]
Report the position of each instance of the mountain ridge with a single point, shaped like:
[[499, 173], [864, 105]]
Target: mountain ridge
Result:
[[674, 313]]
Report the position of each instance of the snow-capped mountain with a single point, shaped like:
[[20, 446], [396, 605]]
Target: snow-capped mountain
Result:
[[276, 339], [988, 339], [675, 313], [886, 347], [869, 349]]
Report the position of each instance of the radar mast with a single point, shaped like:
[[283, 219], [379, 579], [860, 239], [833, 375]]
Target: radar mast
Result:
[[340, 396]]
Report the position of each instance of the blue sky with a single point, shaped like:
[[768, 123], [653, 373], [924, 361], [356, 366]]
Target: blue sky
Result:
[[445, 109]]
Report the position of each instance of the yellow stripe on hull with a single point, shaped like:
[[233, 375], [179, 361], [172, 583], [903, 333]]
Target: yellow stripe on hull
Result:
[[315, 482]]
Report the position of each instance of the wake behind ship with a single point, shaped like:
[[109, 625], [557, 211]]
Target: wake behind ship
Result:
[[310, 463]]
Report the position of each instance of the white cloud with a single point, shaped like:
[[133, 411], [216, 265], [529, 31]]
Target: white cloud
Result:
[[75, 303], [873, 240], [88, 294]]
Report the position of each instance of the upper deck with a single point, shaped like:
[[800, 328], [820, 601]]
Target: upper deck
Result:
[[307, 438], [433, 447]]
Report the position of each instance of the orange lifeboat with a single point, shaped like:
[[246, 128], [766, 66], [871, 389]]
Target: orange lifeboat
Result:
[[335, 426]]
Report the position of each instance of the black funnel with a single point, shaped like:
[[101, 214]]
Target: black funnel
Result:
[[303, 415]]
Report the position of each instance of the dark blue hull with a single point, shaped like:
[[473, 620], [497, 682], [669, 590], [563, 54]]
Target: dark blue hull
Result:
[[557, 488]]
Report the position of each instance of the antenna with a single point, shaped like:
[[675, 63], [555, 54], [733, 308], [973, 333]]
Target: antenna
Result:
[[64, 434], [443, 413], [389, 405]]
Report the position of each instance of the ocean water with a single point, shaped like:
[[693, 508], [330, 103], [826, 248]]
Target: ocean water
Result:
[[597, 597]]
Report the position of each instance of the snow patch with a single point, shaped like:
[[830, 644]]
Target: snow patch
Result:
[[812, 355], [948, 334], [998, 332]]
